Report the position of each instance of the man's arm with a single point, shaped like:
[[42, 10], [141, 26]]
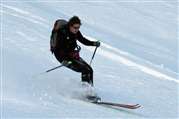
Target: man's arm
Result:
[[85, 41]]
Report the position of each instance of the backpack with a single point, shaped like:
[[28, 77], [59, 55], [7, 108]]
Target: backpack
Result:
[[59, 24]]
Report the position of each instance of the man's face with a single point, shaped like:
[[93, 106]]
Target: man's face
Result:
[[74, 28]]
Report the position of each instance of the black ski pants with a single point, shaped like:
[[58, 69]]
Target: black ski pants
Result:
[[79, 65]]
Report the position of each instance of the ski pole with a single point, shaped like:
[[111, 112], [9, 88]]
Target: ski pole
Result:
[[54, 68], [93, 55], [64, 63]]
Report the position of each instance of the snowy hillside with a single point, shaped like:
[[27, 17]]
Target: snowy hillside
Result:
[[136, 63]]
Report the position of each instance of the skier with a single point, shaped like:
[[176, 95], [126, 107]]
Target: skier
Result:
[[66, 49]]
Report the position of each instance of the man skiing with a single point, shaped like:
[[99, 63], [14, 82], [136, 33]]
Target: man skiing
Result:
[[66, 49]]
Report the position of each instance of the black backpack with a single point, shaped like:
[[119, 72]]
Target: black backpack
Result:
[[60, 23]]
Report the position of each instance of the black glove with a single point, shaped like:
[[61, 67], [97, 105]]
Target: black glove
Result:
[[97, 43]]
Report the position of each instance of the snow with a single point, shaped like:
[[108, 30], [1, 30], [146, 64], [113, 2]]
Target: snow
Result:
[[136, 63]]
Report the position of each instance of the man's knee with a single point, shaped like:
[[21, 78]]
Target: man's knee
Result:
[[88, 69]]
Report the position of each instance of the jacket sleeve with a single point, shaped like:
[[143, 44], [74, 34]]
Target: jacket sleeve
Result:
[[84, 40]]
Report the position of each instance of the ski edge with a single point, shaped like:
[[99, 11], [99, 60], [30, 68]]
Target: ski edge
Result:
[[128, 106]]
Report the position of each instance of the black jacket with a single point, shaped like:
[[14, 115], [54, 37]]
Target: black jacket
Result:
[[67, 42]]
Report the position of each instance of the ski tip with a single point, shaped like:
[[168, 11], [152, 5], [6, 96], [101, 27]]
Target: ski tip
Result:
[[136, 106]]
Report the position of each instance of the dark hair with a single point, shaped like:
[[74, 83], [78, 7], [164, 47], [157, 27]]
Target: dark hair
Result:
[[74, 20]]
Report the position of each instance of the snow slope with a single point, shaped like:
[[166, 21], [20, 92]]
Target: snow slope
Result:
[[136, 63]]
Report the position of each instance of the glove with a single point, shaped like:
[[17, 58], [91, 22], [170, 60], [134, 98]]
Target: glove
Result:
[[66, 62], [97, 43]]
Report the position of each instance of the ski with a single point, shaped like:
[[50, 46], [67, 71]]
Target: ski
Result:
[[97, 100], [128, 106]]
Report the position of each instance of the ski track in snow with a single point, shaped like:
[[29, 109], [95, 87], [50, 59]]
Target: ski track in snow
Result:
[[127, 62]]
